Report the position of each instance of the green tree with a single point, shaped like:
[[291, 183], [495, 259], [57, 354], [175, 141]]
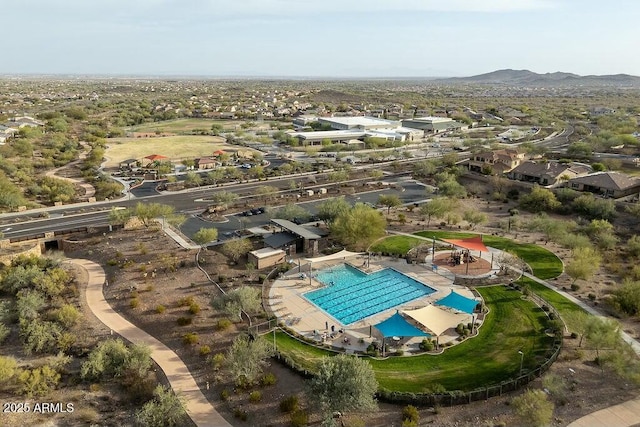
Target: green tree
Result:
[[539, 200], [603, 333], [594, 208], [533, 408], [474, 218], [216, 129], [290, 212], [246, 359], [215, 176], [330, 209], [389, 201], [437, 207], [580, 322], [585, 263], [193, 178], [113, 359], [149, 211], [266, 192], [633, 246], [343, 383], [166, 409], [359, 226], [627, 298], [119, 216], [222, 199], [235, 249], [205, 236], [424, 169], [243, 299]]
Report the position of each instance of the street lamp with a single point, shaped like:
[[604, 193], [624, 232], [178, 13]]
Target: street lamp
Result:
[[521, 360]]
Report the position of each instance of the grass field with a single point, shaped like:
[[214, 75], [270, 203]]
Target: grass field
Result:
[[174, 147], [185, 125], [399, 245], [513, 324], [544, 263]]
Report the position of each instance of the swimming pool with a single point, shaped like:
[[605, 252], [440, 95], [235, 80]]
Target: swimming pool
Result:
[[350, 295]]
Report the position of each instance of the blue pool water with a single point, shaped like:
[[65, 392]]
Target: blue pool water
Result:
[[350, 295]]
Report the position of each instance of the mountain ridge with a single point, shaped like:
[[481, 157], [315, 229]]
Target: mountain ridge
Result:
[[529, 78]]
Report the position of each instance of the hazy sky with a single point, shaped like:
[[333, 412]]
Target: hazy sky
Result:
[[347, 38]]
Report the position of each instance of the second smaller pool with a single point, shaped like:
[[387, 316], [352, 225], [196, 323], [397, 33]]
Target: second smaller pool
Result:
[[351, 295]]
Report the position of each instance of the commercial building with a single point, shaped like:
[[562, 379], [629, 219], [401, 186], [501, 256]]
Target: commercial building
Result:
[[432, 125]]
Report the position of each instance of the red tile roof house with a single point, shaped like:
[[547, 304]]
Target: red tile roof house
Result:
[[206, 163], [608, 184]]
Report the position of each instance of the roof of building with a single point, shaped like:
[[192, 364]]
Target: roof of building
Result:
[[359, 121], [330, 134], [278, 240], [431, 119], [608, 180], [502, 154], [553, 169], [266, 252], [296, 229], [206, 160], [128, 161], [156, 157]]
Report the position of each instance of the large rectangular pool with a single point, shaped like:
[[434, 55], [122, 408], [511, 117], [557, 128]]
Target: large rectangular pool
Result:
[[350, 295]]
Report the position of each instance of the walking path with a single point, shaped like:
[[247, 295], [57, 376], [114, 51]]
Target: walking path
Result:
[[197, 406], [89, 190]]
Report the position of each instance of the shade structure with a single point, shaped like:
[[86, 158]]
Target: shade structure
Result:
[[397, 326], [472, 243], [458, 302], [436, 319]]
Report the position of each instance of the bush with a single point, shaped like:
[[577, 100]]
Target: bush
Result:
[[190, 338], [289, 404], [160, 309], [67, 315], [410, 413], [427, 345], [268, 379], [204, 350], [194, 308], [4, 332], [224, 395], [134, 303], [184, 321], [255, 397], [240, 414], [223, 324], [299, 418], [186, 302], [217, 360], [575, 287]]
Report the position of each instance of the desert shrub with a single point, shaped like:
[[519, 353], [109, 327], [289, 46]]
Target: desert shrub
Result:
[[299, 418], [575, 287], [4, 332], [67, 315], [410, 413], [87, 415], [184, 321], [268, 379], [240, 414], [134, 303], [190, 338], [255, 396], [38, 381], [217, 360], [223, 324], [112, 262], [289, 404], [204, 350], [427, 345], [166, 409], [160, 309], [186, 302], [8, 368], [224, 395], [194, 308]]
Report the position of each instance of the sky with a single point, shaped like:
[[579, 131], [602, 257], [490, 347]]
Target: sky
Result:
[[328, 38]]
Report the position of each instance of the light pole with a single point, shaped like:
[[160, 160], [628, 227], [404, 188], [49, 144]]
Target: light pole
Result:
[[521, 360]]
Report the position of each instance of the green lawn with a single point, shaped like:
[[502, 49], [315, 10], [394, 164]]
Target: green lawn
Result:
[[544, 263], [184, 125], [399, 245], [513, 324]]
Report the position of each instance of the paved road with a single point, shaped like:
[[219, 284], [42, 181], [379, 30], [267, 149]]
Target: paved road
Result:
[[198, 407]]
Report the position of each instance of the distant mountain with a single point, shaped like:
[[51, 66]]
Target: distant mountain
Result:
[[529, 78]]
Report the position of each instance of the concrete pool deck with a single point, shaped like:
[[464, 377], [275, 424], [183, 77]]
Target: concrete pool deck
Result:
[[287, 301]]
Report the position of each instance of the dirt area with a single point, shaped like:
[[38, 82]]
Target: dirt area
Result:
[[139, 266]]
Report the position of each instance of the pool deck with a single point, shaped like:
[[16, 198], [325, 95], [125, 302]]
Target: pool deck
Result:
[[296, 312]]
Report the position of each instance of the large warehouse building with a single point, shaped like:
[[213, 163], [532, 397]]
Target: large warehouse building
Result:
[[433, 124]]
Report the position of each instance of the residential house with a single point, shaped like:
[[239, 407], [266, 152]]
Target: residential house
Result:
[[496, 162], [548, 174], [608, 184]]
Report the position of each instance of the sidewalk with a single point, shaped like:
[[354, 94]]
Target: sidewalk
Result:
[[182, 382]]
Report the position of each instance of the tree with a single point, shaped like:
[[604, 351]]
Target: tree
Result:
[[594, 208], [148, 211], [235, 249], [603, 333], [389, 201], [113, 359], [222, 199], [330, 209], [166, 409], [205, 235], [474, 218], [585, 263], [343, 383], [216, 129], [533, 408], [119, 216], [424, 169], [627, 298], [266, 192], [215, 176], [437, 207], [244, 298], [359, 226], [291, 212], [580, 322], [193, 178], [338, 176], [247, 358], [539, 200]]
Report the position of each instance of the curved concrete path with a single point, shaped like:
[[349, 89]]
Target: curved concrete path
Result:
[[89, 190], [198, 407]]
